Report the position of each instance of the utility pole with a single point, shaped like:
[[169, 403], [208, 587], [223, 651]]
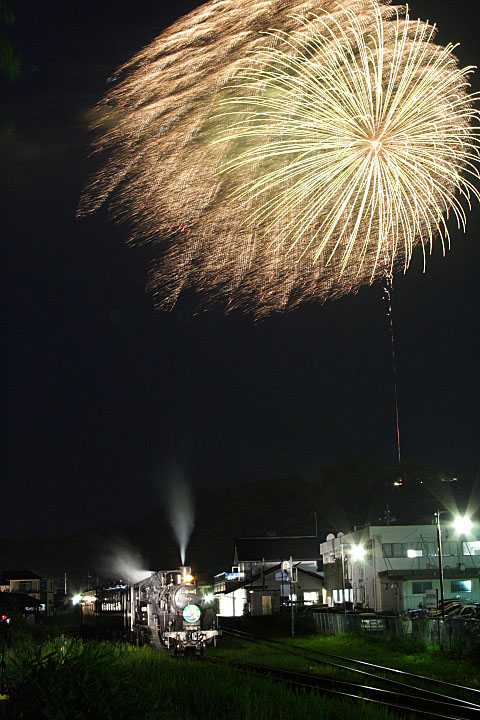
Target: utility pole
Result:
[[343, 578], [440, 561], [291, 597]]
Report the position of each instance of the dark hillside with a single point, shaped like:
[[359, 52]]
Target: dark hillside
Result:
[[354, 492]]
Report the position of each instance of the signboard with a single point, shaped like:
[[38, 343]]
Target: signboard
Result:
[[235, 576], [191, 613], [430, 599]]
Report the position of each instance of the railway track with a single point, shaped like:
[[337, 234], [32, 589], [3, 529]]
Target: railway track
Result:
[[379, 685]]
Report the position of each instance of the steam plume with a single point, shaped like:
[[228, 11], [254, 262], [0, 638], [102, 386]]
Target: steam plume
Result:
[[124, 563], [180, 509]]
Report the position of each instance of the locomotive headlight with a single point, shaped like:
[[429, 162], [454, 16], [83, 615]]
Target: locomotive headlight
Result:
[[188, 578], [191, 613]]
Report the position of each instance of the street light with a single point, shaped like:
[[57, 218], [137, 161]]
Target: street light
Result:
[[462, 525], [358, 552]]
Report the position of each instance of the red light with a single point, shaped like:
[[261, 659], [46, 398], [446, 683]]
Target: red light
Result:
[[4, 617]]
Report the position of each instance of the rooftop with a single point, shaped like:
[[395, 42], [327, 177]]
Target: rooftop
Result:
[[8, 575]]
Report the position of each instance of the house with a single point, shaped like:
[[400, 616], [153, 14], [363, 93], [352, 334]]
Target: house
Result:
[[28, 583], [268, 573], [396, 567]]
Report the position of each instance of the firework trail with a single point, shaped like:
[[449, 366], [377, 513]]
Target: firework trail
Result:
[[274, 165]]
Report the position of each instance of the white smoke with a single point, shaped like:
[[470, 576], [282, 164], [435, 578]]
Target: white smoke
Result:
[[180, 509], [124, 563]]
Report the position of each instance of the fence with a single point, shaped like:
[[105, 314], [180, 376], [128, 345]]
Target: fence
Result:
[[461, 634], [456, 633]]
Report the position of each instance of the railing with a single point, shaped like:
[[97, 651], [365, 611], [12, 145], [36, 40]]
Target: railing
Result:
[[456, 632]]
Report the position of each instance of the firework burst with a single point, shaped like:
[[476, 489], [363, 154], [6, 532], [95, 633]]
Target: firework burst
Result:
[[275, 165]]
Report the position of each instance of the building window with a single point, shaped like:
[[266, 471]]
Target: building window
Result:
[[402, 550], [310, 597], [461, 586], [360, 594], [448, 549], [412, 553], [419, 588], [397, 550], [471, 548]]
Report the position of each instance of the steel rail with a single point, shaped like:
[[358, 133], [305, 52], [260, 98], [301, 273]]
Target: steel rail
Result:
[[420, 691], [409, 704]]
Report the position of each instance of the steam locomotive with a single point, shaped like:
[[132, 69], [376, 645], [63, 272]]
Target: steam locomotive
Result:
[[166, 610]]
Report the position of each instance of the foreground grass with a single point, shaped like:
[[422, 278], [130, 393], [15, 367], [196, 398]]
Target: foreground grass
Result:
[[431, 664], [76, 680], [409, 658]]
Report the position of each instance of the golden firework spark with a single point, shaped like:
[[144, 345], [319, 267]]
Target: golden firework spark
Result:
[[274, 165]]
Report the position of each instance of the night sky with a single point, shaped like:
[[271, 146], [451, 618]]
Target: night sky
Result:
[[104, 394]]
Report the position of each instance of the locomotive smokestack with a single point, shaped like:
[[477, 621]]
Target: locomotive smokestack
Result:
[[186, 573]]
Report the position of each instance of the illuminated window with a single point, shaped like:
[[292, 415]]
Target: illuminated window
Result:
[[412, 553], [471, 548], [461, 586], [402, 550]]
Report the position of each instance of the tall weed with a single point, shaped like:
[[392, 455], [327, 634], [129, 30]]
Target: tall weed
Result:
[[75, 680]]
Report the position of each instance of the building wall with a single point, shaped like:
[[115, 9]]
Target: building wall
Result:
[[39, 588], [232, 604], [415, 598], [375, 580], [269, 583]]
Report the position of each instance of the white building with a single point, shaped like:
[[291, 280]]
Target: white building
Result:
[[261, 580], [396, 567], [28, 583]]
